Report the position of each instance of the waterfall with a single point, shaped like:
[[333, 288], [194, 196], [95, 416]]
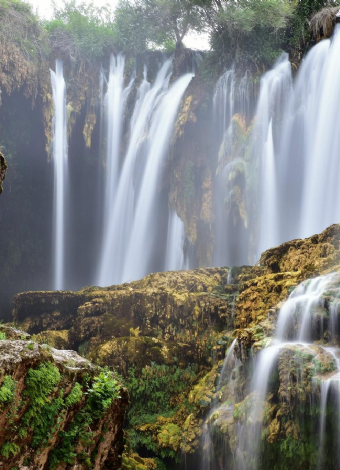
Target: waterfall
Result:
[[115, 101], [210, 460], [275, 88], [120, 216], [224, 102], [293, 147], [144, 228], [297, 139], [231, 100], [60, 172], [175, 259], [114, 108], [300, 322], [316, 110]]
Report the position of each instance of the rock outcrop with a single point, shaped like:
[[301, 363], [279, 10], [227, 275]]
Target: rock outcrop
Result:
[[166, 318], [3, 169], [57, 410]]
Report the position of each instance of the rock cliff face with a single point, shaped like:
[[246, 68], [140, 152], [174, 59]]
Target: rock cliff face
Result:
[[168, 335], [165, 318], [57, 410]]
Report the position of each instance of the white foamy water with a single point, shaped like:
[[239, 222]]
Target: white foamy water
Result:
[[60, 173]]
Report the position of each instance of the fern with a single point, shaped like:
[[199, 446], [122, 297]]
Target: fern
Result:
[[9, 448], [7, 390]]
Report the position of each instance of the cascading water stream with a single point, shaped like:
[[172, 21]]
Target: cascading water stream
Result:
[[294, 147], [275, 88], [305, 122], [320, 74], [144, 226], [224, 102], [231, 100], [209, 458], [298, 322], [175, 259], [120, 216], [60, 172], [114, 106]]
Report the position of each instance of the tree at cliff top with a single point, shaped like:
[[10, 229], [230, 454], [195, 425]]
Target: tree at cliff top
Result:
[[160, 22], [244, 30], [257, 30]]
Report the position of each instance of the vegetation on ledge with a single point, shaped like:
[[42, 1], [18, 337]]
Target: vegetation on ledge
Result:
[[56, 408]]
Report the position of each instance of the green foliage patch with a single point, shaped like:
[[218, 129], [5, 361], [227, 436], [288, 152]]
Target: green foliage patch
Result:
[[158, 391], [153, 392], [8, 449], [46, 411], [19, 26], [100, 395], [82, 30], [7, 390]]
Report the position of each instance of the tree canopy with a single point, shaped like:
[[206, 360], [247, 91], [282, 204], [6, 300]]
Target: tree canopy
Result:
[[158, 22], [82, 29], [239, 29]]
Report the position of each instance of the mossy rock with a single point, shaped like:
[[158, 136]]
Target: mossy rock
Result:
[[55, 339], [170, 436]]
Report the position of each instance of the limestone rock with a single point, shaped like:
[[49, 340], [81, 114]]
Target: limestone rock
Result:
[[165, 318]]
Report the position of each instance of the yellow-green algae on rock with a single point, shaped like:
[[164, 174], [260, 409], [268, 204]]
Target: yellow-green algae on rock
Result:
[[169, 318]]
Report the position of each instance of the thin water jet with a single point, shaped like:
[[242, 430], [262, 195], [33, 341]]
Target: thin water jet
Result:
[[60, 158]]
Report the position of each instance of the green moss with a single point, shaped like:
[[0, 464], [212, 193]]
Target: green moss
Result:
[[324, 366], [170, 436]]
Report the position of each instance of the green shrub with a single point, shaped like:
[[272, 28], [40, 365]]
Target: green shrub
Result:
[[105, 389]]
